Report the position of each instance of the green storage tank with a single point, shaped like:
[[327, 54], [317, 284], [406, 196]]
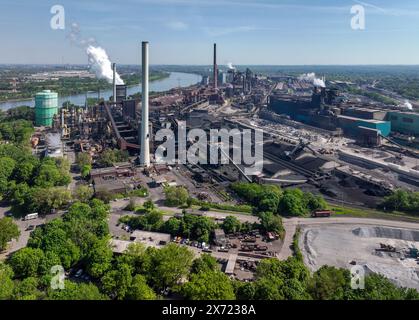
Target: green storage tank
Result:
[[46, 106]]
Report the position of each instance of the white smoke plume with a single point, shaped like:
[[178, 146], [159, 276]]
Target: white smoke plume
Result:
[[101, 65], [99, 61], [407, 105], [311, 77], [230, 66]]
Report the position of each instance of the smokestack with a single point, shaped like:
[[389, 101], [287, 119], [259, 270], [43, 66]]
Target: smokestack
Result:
[[145, 135], [215, 67], [114, 82]]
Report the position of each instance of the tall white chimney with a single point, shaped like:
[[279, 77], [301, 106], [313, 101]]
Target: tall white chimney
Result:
[[145, 135], [114, 82]]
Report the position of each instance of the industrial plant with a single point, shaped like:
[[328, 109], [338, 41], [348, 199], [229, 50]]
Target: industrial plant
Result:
[[316, 137]]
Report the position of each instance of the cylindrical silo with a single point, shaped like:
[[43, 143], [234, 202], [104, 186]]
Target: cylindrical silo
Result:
[[46, 106]]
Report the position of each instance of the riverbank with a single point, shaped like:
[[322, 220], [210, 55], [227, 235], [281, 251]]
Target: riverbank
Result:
[[81, 87], [160, 84]]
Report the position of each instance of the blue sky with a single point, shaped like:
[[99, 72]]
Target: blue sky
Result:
[[280, 32]]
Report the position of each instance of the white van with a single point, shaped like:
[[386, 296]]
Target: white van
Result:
[[31, 216]]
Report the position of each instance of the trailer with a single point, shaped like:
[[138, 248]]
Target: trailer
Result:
[[321, 214]]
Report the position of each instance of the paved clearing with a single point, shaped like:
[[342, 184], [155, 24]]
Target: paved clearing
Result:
[[339, 244]]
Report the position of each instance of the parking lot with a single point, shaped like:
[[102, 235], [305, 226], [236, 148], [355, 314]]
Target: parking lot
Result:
[[25, 228]]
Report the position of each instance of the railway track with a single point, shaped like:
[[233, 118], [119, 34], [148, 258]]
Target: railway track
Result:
[[291, 166]]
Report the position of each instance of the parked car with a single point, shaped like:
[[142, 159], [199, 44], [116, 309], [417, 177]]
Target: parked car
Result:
[[78, 273]]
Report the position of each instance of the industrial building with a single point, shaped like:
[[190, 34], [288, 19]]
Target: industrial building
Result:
[[46, 107], [117, 179], [404, 122], [351, 125], [320, 110], [54, 145]]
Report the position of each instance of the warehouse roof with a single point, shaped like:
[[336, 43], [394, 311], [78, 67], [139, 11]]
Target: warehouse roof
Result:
[[363, 120]]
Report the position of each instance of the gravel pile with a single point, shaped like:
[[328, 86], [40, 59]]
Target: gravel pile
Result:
[[388, 233]]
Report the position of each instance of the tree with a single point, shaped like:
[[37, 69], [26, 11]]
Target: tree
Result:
[[249, 191], [136, 257], [104, 195], [48, 175], [54, 240], [99, 258], [7, 165], [271, 223], [204, 263], [293, 203], [176, 196], [149, 205], [169, 265], [83, 193], [329, 283], [278, 280], [378, 287], [117, 282], [231, 225], [172, 226], [85, 171], [6, 282], [208, 285], [74, 291], [244, 290], [21, 113], [402, 200], [19, 195], [151, 221], [197, 228], [269, 201], [17, 131], [8, 231], [262, 197], [26, 262], [25, 169], [139, 290], [83, 159], [46, 200], [315, 202], [111, 156], [27, 289]]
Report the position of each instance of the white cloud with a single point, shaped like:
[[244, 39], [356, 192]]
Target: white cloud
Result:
[[178, 25]]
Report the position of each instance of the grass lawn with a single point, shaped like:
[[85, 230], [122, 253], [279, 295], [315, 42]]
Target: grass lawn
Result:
[[370, 213], [195, 207]]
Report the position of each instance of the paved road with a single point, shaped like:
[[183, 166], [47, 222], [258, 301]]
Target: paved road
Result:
[[290, 224], [22, 241], [121, 204]]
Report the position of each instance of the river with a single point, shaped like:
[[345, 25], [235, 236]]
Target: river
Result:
[[175, 80]]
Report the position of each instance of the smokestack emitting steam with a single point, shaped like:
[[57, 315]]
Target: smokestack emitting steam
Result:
[[145, 136], [407, 105], [98, 58], [101, 65], [215, 67], [114, 82], [230, 66], [311, 77]]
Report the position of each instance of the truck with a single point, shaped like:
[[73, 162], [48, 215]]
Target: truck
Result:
[[321, 214], [31, 216]]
